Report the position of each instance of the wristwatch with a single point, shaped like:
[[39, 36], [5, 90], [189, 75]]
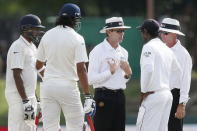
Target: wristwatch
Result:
[[183, 103], [127, 76]]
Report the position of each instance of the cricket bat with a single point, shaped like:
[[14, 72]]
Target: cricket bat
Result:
[[90, 123]]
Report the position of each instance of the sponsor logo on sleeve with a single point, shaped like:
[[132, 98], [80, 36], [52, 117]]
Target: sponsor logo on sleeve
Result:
[[147, 54], [15, 52]]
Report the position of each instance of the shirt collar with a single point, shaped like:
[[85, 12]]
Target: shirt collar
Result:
[[25, 41], [155, 39], [66, 27], [176, 46], [109, 47]]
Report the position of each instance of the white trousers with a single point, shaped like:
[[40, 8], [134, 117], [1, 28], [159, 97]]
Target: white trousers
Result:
[[65, 96], [16, 113], [154, 112]]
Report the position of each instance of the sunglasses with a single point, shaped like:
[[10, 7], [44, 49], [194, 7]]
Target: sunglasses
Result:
[[165, 33], [118, 31]]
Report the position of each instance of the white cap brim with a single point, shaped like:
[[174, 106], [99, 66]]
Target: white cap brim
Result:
[[171, 31], [119, 27]]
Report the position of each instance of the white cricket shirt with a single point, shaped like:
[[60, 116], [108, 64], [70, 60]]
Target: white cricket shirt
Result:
[[99, 74], [62, 48], [185, 62], [22, 55], [157, 63]]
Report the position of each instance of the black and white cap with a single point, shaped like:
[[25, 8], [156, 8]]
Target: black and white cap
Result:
[[171, 25], [114, 23]]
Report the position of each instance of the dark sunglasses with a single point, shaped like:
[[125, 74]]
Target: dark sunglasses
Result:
[[165, 33], [118, 31]]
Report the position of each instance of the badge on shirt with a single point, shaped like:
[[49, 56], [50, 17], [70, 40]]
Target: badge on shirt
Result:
[[101, 104], [147, 54], [110, 60]]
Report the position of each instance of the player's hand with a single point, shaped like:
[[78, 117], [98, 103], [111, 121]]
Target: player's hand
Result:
[[29, 112], [113, 66], [180, 112], [124, 65], [89, 105]]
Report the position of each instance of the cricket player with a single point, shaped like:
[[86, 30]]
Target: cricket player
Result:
[[64, 52], [169, 30], [21, 75], [157, 63], [108, 72]]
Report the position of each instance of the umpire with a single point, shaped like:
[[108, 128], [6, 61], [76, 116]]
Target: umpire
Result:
[[169, 31], [109, 71]]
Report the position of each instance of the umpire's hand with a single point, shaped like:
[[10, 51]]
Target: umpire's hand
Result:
[[180, 112]]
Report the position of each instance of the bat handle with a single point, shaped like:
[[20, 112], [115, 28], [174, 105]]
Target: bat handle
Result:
[[37, 118], [90, 122]]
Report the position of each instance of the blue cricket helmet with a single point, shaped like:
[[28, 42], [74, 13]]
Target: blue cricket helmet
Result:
[[70, 10], [30, 21]]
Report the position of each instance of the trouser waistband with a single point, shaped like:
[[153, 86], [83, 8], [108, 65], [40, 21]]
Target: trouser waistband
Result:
[[105, 89]]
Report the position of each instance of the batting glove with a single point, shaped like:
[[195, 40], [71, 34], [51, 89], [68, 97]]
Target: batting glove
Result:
[[89, 106], [29, 113]]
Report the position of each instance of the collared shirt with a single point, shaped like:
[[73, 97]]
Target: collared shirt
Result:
[[157, 62], [185, 62], [62, 48], [99, 72], [22, 55]]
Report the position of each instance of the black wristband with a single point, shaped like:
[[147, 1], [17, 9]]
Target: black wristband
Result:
[[127, 76], [25, 101]]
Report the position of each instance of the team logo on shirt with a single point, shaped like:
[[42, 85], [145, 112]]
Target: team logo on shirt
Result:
[[147, 54], [15, 52]]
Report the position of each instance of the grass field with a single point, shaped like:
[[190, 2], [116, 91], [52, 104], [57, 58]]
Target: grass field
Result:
[[3, 104]]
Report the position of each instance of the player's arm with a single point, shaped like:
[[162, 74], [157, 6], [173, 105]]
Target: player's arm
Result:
[[89, 105], [40, 68], [147, 68], [83, 79], [41, 59], [80, 59], [19, 83]]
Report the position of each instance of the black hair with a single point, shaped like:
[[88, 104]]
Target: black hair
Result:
[[66, 21], [152, 33]]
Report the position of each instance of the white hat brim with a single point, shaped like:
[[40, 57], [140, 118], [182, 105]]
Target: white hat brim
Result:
[[171, 31], [119, 27]]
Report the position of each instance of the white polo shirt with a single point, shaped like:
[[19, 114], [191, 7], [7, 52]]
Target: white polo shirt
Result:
[[157, 63], [99, 74], [185, 62], [22, 55], [62, 48]]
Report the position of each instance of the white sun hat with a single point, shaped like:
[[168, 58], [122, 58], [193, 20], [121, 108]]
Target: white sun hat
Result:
[[171, 25], [114, 23]]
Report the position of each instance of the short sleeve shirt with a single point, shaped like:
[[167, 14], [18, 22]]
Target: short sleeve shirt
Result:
[[62, 48]]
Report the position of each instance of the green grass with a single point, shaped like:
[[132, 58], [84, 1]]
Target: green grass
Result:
[[194, 75], [3, 104]]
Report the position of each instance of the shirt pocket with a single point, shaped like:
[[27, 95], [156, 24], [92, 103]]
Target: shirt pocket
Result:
[[30, 58]]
